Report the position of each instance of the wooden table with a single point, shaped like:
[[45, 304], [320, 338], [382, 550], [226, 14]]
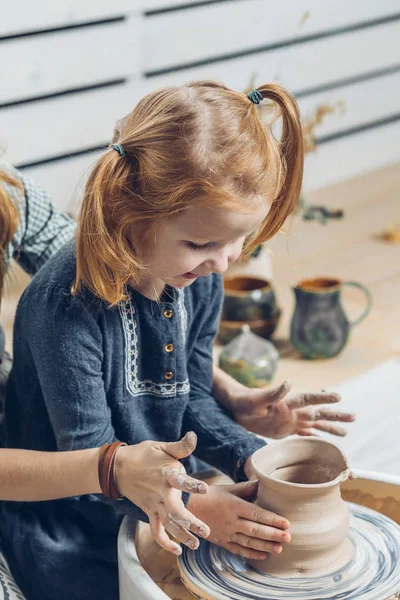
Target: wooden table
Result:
[[350, 249]]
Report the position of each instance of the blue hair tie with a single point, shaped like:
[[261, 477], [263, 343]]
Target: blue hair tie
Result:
[[255, 96], [119, 148]]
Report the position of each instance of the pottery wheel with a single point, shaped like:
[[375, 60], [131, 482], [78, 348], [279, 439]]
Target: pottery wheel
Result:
[[373, 572]]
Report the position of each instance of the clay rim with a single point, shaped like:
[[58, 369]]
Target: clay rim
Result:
[[319, 285], [343, 475], [262, 285]]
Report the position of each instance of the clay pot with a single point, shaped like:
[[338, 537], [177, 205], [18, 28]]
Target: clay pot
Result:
[[300, 480], [320, 328], [264, 328], [248, 299]]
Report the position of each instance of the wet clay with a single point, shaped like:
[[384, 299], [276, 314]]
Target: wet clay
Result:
[[300, 480], [372, 572]]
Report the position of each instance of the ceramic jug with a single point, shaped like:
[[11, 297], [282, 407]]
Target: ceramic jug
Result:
[[319, 327], [300, 480]]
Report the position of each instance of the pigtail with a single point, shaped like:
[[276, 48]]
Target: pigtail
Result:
[[291, 159], [9, 220], [105, 260]]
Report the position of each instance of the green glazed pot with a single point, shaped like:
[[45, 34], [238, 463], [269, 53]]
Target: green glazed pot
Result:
[[319, 327], [248, 299]]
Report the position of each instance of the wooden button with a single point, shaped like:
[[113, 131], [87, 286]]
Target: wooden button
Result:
[[168, 313], [168, 347], [169, 375]]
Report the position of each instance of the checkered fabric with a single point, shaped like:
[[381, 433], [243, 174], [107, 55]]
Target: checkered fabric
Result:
[[42, 229], [8, 588]]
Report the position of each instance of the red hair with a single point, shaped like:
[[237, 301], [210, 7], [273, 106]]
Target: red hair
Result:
[[198, 142], [9, 220]]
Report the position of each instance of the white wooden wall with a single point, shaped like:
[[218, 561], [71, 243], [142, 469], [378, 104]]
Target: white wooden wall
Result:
[[71, 68]]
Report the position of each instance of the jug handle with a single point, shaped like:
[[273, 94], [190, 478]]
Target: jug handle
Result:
[[368, 297]]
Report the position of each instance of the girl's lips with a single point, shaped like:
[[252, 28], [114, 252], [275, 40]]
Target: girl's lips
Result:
[[189, 276]]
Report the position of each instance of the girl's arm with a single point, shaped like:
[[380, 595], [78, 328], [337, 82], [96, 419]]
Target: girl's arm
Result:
[[271, 413]]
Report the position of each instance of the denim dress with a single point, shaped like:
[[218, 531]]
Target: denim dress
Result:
[[85, 374]]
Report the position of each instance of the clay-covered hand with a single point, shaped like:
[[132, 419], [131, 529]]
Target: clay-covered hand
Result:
[[269, 412], [151, 476], [236, 524]]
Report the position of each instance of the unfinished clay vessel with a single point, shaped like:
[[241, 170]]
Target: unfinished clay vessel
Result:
[[300, 480]]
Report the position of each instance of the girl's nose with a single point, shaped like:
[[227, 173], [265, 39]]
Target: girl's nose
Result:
[[222, 259]]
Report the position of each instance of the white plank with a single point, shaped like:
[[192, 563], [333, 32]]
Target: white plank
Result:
[[66, 59], [363, 102], [65, 180], [84, 120], [353, 155], [22, 16], [305, 65], [92, 116], [227, 27], [148, 5]]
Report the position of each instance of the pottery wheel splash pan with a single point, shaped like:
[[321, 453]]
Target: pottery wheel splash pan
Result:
[[373, 573]]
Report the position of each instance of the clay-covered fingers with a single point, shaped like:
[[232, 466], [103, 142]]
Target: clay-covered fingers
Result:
[[326, 414], [182, 448], [258, 401], [181, 534], [160, 536], [178, 479], [175, 513], [302, 400], [330, 427], [272, 396]]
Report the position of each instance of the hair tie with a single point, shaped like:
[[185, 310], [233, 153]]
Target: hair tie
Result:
[[255, 96], [119, 148]]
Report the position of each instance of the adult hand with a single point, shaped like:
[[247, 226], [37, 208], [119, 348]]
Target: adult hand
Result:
[[236, 524], [151, 476], [269, 412]]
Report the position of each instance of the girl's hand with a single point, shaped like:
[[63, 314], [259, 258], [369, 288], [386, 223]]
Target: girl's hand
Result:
[[269, 413], [236, 524], [151, 476]]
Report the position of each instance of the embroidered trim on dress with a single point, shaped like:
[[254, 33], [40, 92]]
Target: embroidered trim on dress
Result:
[[140, 387], [182, 310]]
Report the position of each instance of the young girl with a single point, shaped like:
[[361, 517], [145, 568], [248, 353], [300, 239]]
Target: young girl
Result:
[[31, 231], [120, 346]]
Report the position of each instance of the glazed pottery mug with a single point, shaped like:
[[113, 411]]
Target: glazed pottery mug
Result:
[[319, 327], [300, 480], [248, 299]]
